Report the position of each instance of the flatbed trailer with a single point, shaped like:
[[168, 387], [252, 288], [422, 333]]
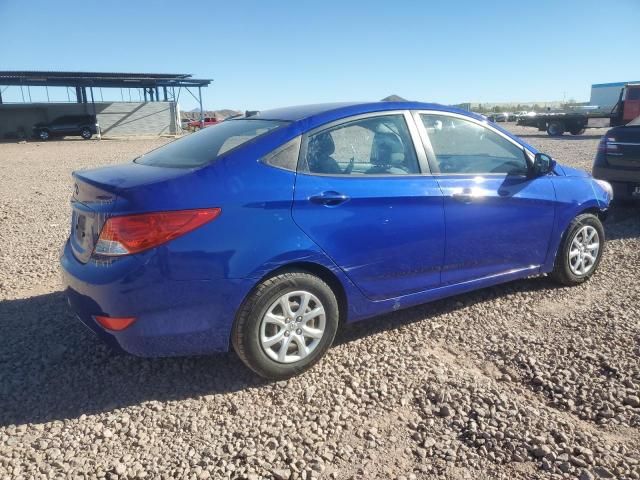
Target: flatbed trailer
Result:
[[575, 122]]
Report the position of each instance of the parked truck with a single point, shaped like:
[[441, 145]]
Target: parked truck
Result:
[[576, 121]]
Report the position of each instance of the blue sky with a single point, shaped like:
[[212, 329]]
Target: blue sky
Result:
[[265, 54]]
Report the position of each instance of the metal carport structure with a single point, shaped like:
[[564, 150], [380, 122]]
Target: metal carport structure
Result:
[[149, 85]]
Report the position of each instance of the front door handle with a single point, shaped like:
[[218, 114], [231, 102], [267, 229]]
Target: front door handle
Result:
[[329, 199]]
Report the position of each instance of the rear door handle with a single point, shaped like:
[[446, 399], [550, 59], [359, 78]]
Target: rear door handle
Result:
[[465, 196], [329, 199]]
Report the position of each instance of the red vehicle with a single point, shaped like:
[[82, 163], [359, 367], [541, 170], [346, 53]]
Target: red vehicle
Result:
[[208, 121], [630, 103]]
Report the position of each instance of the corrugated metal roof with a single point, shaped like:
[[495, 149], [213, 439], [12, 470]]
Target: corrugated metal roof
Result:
[[85, 75], [107, 79]]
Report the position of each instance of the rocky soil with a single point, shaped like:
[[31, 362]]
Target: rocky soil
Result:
[[521, 381]]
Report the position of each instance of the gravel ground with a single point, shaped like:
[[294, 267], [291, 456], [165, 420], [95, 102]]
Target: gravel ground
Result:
[[521, 381]]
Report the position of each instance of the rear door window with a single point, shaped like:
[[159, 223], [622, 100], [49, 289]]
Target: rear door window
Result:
[[207, 145], [377, 145]]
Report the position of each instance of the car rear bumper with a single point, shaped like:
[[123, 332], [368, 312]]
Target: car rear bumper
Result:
[[173, 317], [623, 181]]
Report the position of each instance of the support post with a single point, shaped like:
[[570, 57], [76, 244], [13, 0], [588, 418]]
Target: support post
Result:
[[145, 94], [0, 96], [164, 89], [95, 115], [201, 110], [78, 95]]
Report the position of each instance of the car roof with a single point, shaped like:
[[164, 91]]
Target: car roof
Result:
[[326, 112], [308, 117]]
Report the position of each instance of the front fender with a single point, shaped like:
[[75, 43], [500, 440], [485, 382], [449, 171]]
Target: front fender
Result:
[[574, 195]]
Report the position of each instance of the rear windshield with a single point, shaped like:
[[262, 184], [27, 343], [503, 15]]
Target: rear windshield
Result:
[[208, 144]]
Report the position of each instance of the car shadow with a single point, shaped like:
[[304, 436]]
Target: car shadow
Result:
[[427, 311], [53, 368]]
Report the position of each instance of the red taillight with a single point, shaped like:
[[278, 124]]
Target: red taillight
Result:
[[134, 233], [114, 323]]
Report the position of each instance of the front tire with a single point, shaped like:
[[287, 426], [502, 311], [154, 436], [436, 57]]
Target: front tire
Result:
[[44, 135], [286, 325], [86, 133], [580, 251], [577, 131]]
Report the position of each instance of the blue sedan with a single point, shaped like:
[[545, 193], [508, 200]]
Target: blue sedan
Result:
[[265, 233]]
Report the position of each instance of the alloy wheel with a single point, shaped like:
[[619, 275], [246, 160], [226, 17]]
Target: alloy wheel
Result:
[[584, 250], [293, 327]]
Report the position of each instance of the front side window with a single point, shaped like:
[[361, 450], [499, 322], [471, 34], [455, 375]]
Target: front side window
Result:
[[464, 147], [379, 145], [200, 148]]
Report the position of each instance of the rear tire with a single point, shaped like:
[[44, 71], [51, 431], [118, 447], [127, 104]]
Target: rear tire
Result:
[[279, 331], [555, 129], [577, 131], [86, 133], [44, 135], [584, 231]]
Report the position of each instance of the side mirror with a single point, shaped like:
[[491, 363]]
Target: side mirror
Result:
[[542, 165]]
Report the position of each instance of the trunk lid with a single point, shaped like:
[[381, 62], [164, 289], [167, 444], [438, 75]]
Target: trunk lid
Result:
[[91, 203], [100, 193]]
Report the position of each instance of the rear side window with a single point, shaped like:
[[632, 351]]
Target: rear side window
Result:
[[285, 156], [207, 145]]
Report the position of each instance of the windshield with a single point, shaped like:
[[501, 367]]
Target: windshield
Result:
[[207, 145]]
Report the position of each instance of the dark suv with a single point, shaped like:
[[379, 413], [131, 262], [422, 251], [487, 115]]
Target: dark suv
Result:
[[68, 125], [618, 160]]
